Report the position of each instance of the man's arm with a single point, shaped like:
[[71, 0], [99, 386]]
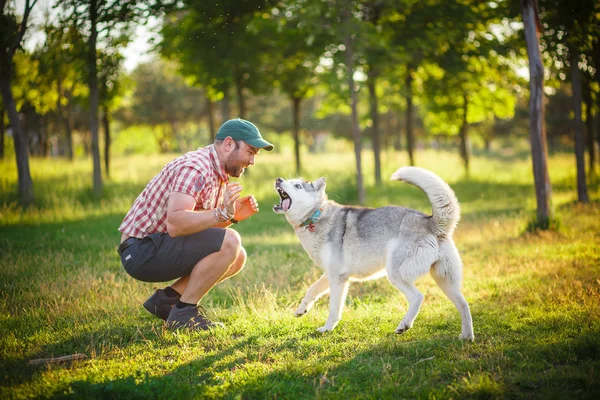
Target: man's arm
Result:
[[183, 220]]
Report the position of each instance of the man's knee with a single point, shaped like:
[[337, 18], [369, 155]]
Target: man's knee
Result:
[[240, 261], [232, 244]]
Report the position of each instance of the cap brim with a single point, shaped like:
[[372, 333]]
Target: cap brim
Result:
[[260, 143]]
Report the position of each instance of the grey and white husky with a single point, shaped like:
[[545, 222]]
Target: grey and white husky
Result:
[[358, 243]]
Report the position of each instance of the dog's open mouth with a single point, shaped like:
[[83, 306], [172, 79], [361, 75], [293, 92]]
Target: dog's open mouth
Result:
[[285, 201]]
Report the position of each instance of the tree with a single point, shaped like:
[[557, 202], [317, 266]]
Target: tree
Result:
[[568, 37], [61, 63], [290, 58], [11, 36], [108, 22], [161, 99], [109, 92], [537, 129], [349, 43]]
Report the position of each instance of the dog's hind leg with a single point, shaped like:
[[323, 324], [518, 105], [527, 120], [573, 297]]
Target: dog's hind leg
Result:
[[319, 288], [447, 273], [403, 274], [338, 289]]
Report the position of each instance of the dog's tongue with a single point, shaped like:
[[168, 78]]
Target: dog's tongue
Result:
[[285, 204]]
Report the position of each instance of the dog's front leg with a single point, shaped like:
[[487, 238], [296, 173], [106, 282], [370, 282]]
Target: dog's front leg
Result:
[[318, 289], [338, 289]]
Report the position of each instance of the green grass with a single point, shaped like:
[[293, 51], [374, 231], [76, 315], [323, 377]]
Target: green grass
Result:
[[534, 297]]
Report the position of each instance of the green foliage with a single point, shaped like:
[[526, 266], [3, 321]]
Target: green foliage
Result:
[[534, 298]]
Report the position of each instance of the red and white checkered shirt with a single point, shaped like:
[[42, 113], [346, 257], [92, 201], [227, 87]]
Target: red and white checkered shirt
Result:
[[197, 173]]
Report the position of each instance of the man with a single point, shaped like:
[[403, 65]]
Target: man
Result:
[[177, 226]]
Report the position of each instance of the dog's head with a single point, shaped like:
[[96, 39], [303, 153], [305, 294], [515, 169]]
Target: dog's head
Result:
[[298, 197]]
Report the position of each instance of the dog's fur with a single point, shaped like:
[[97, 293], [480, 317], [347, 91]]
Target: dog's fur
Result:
[[358, 243]]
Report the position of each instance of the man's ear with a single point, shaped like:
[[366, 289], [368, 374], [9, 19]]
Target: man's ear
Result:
[[229, 143], [320, 184]]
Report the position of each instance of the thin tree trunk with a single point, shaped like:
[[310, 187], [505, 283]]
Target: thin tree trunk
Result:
[[66, 119], [2, 129], [410, 145], [464, 136], [43, 133], [225, 106], [537, 129], [354, 102], [582, 193], [397, 133], [239, 87], [24, 175], [296, 110], [107, 141], [589, 122], [371, 83], [93, 84], [598, 123], [210, 106]]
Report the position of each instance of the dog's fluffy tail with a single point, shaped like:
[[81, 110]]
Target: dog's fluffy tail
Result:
[[446, 210]]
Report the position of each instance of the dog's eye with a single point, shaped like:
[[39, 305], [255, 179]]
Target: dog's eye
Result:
[[298, 186]]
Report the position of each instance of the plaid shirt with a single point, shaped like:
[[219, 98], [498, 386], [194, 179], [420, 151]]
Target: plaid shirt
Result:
[[197, 173]]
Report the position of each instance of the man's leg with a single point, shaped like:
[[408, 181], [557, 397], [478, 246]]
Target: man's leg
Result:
[[212, 268], [180, 284]]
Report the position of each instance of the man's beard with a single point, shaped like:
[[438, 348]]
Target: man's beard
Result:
[[233, 166]]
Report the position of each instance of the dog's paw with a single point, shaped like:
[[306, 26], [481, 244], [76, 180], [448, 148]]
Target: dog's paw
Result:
[[402, 328], [324, 329], [301, 310], [467, 336]]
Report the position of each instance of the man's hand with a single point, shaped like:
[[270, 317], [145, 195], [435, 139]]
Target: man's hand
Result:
[[232, 195], [245, 207]]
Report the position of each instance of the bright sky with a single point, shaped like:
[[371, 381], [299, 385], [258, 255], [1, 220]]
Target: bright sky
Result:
[[138, 51]]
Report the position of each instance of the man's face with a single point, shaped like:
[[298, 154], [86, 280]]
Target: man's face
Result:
[[240, 158]]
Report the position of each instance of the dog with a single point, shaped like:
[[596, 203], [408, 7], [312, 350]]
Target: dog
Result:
[[352, 243]]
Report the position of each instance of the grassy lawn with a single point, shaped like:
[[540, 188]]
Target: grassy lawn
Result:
[[535, 298]]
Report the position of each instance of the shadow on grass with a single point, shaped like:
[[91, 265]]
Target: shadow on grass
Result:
[[437, 366]]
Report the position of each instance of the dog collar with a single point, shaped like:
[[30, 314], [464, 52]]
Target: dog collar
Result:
[[312, 220]]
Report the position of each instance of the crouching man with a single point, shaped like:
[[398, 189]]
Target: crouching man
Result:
[[177, 227]]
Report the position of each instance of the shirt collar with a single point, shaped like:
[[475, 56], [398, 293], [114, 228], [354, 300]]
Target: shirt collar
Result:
[[219, 169]]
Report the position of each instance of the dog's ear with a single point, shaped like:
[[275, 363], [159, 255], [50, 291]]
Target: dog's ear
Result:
[[320, 184]]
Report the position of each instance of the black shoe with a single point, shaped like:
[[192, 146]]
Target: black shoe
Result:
[[190, 317], [160, 304]]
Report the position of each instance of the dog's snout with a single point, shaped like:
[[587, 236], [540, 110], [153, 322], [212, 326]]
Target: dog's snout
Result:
[[279, 180]]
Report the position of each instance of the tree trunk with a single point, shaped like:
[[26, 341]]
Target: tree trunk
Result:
[[582, 193], [93, 84], [43, 133], [225, 106], [589, 122], [239, 88], [354, 102], [410, 145], [371, 83], [537, 129], [2, 129], [24, 175], [210, 109], [65, 116], [296, 110], [598, 124], [397, 133], [107, 141], [464, 136]]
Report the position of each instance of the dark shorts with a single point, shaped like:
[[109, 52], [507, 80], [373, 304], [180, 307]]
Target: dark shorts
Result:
[[160, 258]]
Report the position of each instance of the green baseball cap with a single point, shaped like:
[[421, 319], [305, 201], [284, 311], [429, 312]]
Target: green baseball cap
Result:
[[240, 129]]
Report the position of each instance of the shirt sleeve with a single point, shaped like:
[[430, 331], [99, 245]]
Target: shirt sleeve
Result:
[[190, 181]]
